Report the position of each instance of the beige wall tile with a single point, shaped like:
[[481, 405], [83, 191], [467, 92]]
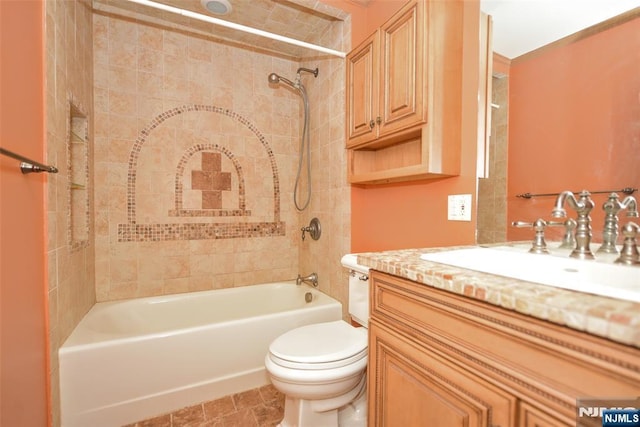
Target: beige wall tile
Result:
[[171, 69]]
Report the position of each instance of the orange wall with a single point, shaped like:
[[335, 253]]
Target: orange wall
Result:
[[23, 346], [415, 214], [574, 123]]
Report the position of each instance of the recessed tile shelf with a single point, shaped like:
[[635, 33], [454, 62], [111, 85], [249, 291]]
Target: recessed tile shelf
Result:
[[78, 167]]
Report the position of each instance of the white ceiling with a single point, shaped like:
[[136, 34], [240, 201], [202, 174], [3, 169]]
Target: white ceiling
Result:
[[520, 26]]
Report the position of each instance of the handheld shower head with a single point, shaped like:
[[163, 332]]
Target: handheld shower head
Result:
[[276, 79]]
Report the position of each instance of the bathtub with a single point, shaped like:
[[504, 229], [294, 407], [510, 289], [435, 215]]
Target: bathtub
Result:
[[131, 360]]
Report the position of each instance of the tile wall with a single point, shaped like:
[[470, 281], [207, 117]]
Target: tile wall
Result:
[[331, 193], [69, 81], [196, 158]]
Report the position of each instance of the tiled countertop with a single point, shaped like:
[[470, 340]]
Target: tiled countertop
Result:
[[615, 319]]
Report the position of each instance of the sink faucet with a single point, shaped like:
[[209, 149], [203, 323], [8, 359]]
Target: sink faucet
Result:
[[539, 244], [610, 231], [310, 279], [582, 206]]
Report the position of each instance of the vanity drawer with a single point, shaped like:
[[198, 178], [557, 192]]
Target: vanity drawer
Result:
[[417, 309]]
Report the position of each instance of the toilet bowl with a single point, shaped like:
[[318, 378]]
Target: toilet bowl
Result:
[[321, 368]]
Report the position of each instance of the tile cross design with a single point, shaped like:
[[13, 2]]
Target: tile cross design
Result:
[[211, 181]]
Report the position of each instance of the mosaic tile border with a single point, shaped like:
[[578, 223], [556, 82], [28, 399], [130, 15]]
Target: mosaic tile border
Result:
[[197, 231], [179, 188]]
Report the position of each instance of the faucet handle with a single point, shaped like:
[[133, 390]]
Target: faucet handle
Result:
[[629, 254], [521, 224], [313, 229], [539, 245]]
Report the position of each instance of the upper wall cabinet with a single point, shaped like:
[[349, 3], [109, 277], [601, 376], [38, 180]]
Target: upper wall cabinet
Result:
[[402, 83], [386, 78]]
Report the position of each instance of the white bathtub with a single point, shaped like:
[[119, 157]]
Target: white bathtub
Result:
[[131, 360]]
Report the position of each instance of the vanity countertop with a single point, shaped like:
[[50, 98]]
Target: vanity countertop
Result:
[[611, 318]]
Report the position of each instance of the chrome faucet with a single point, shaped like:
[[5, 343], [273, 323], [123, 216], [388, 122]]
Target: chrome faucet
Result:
[[311, 279], [539, 244], [610, 231], [582, 206]]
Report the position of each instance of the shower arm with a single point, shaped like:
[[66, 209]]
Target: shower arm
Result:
[[308, 70]]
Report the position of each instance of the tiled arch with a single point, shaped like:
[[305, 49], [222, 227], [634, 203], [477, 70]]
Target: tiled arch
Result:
[[133, 231]]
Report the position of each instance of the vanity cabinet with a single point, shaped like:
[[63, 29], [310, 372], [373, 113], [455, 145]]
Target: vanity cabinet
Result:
[[418, 387], [404, 96], [530, 416], [441, 359]]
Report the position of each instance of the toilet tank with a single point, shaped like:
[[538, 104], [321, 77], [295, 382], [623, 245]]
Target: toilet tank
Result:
[[358, 289]]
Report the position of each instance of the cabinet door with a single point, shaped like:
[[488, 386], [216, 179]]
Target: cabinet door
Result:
[[533, 417], [362, 92], [411, 386], [402, 64]]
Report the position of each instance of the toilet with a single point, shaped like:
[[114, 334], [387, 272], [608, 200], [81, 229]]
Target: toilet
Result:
[[321, 368]]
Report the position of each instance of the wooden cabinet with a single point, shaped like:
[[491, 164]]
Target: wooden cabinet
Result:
[[362, 92], [534, 417], [438, 393], [440, 359], [404, 96], [385, 75]]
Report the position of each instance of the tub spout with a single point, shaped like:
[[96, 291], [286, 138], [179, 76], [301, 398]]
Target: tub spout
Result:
[[311, 279]]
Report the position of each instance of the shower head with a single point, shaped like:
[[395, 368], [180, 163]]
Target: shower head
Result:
[[275, 79]]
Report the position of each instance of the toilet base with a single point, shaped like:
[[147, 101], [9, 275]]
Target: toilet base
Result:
[[298, 413], [351, 415], [354, 414], [305, 413]]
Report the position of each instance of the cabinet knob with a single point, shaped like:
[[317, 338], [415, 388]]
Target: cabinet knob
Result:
[[378, 120], [372, 124]]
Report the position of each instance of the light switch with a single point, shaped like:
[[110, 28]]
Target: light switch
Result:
[[459, 207]]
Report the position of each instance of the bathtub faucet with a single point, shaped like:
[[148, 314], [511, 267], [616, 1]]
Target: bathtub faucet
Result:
[[311, 279]]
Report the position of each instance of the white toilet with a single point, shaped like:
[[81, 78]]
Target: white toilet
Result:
[[321, 368]]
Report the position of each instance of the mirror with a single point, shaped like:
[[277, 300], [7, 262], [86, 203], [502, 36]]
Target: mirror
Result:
[[567, 118]]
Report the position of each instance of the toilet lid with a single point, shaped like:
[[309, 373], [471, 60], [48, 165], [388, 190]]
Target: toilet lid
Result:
[[329, 344]]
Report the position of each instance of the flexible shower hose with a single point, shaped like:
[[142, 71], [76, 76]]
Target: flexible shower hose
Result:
[[304, 141]]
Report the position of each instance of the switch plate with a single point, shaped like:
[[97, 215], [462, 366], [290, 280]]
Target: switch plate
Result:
[[459, 207]]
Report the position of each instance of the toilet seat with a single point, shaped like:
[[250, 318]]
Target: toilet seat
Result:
[[327, 345]]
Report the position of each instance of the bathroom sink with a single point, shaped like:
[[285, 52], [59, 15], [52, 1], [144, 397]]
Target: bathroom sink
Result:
[[597, 277]]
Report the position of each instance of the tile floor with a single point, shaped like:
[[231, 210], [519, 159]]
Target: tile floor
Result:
[[260, 407]]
